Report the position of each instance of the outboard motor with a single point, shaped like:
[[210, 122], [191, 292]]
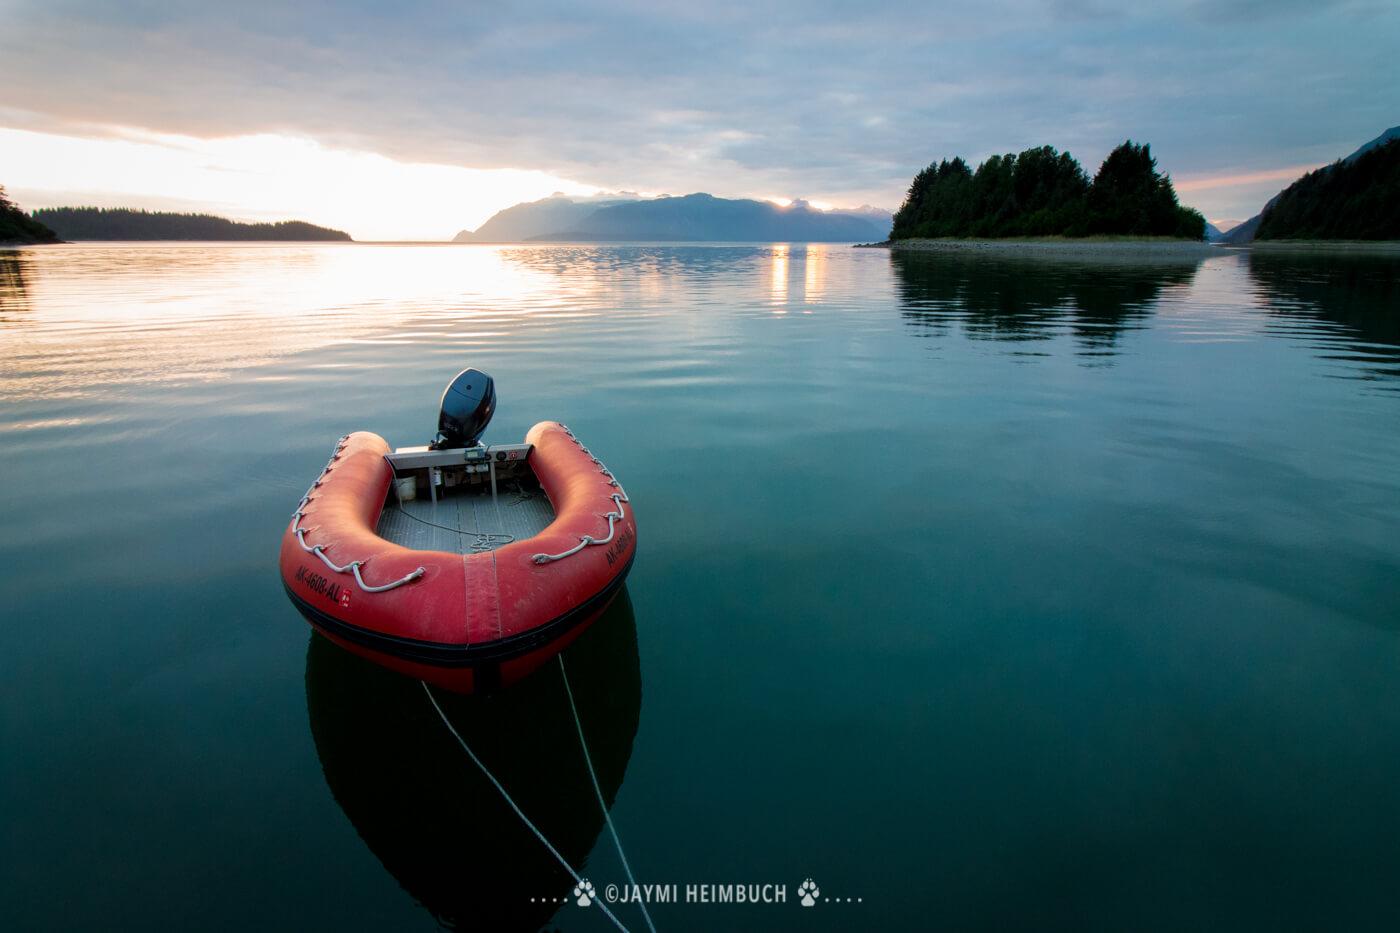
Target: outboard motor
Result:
[[468, 403]]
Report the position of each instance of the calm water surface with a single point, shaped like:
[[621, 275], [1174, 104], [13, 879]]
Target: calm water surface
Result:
[[989, 594]]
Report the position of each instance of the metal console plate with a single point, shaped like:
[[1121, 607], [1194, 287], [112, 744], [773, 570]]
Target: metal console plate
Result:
[[419, 458]]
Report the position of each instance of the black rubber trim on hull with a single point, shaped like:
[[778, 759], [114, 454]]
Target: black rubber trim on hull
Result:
[[448, 655]]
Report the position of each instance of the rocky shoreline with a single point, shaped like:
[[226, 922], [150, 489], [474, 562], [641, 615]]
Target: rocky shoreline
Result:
[[1380, 247], [1128, 250], [31, 241], [1131, 250]]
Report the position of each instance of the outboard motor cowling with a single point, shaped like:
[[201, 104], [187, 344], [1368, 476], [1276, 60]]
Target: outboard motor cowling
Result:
[[468, 403]]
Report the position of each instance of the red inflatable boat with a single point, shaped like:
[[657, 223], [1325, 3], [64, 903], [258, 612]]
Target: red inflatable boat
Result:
[[465, 566]]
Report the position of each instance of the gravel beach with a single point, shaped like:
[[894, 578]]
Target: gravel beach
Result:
[[1131, 251], [1376, 247]]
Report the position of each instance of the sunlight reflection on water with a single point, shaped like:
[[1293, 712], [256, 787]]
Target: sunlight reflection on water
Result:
[[1052, 563]]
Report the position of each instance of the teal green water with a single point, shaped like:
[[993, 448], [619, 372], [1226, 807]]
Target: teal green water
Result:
[[986, 594]]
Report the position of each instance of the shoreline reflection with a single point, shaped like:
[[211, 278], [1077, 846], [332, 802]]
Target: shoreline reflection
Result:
[[14, 291], [1356, 296], [996, 298]]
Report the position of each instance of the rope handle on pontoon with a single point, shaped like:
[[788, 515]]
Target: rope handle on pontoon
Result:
[[613, 517], [320, 549]]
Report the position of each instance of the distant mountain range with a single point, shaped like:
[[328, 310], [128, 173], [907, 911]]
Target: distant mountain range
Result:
[[539, 218], [692, 218], [93, 223], [1245, 232]]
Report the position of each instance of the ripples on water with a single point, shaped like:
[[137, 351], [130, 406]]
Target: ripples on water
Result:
[[999, 593], [117, 315]]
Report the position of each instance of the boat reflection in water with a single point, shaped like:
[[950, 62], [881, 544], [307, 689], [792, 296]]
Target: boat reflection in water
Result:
[[428, 813]]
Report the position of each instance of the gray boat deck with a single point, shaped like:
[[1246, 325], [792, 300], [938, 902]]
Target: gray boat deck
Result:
[[466, 523]]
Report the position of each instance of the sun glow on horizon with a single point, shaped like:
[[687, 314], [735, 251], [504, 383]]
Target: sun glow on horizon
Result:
[[1233, 180], [789, 202], [266, 178]]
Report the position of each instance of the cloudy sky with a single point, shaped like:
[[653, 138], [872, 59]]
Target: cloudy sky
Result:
[[415, 120]]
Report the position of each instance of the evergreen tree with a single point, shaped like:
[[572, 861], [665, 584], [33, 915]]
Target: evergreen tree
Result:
[[1048, 190], [18, 227], [1126, 196]]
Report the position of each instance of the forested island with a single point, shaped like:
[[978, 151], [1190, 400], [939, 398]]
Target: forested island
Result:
[[95, 223], [19, 228], [1357, 198], [1045, 193]]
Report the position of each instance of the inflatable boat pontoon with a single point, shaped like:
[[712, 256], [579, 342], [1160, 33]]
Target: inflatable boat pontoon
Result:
[[461, 564]]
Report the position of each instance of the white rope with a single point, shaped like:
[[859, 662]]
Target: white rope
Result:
[[578, 879], [406, 578], [485, 540], [607, 817], [320, 549], [618, 515]]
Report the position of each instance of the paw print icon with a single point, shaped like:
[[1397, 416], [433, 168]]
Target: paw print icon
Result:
[[584, 893], [808, 892]]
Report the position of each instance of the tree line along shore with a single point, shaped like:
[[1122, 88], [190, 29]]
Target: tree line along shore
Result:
[[55, 225], [1357, 198], [1043, 200], [1033, 200], [94, 223]]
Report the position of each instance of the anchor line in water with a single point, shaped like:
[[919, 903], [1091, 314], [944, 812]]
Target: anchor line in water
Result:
[[593, 775], [578, 879]]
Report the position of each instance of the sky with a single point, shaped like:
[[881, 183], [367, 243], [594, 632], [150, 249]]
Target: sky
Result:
[[415, 120]]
